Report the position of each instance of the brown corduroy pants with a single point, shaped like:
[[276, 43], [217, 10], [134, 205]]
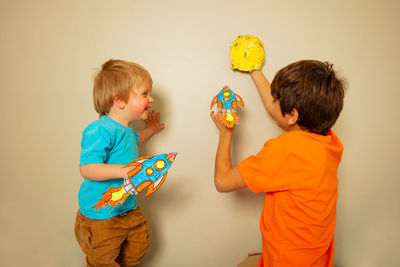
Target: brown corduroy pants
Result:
[[118, 241]]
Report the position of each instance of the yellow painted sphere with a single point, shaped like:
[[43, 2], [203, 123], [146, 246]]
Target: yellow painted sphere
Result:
[[247, 53]]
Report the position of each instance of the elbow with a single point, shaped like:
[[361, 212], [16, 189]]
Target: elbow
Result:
[[221, 189], [220, 186], [83, 171]]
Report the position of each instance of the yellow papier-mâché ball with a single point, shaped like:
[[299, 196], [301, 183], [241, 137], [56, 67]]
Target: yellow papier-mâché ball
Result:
[[247, 53]]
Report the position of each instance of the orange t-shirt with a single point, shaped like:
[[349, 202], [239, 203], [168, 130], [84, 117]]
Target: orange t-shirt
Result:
[[298, 173]]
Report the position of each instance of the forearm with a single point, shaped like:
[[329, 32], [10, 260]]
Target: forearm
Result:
[[223, 157], [102, 171], [226, 177], [264, 88], [145, 134], [222, 160]]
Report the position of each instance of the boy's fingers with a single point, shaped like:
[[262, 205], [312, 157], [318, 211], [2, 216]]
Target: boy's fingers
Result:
[[219, 115], [212, 115]]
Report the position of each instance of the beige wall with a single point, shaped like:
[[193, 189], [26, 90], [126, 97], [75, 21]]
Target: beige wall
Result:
[[49, 50]]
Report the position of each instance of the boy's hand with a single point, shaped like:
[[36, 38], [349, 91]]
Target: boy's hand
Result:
[[153, 122], [153, 126], [125, 170], [217, 120]]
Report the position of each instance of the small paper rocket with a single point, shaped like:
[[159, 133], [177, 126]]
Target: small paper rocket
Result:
[[227, 101]]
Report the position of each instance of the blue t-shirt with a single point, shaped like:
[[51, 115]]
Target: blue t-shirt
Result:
[[106, 141]]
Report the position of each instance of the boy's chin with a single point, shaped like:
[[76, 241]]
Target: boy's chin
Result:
[[145, 115]]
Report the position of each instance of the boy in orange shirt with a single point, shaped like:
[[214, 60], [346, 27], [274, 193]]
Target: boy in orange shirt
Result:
[[297, 171]]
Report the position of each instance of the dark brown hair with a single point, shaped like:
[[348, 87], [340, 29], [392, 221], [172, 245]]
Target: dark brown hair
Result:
[[312, 88]]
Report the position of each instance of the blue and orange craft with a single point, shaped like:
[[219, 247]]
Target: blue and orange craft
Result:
[[150, 171], [227, 101]]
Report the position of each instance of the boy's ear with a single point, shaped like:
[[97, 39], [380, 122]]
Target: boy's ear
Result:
[[293, 117], [119, 102]]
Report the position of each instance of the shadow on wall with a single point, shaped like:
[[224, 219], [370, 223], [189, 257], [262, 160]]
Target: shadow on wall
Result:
[[150, 206], [242, 199]]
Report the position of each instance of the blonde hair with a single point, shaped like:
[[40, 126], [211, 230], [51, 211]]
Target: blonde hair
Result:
[[117, 78]]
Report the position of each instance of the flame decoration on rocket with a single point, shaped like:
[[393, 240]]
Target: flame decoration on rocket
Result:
[[150, 171], [227, 101]]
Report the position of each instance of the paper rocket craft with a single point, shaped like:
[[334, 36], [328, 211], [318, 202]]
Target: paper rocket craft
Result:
[[227, 102], [150, 171], [247, 53]]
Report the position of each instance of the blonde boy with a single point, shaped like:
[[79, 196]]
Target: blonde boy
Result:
[[118, 236]]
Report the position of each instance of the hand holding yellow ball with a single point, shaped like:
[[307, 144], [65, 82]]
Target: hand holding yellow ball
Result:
[[247, 53]]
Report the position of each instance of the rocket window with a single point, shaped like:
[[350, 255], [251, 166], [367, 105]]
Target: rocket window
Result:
[[149, 171], [160, 164]]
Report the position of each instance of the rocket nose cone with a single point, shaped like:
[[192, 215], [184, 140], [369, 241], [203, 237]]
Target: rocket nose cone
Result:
[[172, 156]]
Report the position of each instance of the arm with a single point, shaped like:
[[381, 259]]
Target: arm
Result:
[[153, 126], [103, 172], [226, 177], [264, 88]]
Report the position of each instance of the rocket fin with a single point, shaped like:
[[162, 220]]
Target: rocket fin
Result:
[[234, 104], [152, 188], [135, 170], [213, 101], [138, 161], [143, 185], [241, 102]]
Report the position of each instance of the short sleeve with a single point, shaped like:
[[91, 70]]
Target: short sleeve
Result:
[[136, 137], [95, 145], [269, 170]]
